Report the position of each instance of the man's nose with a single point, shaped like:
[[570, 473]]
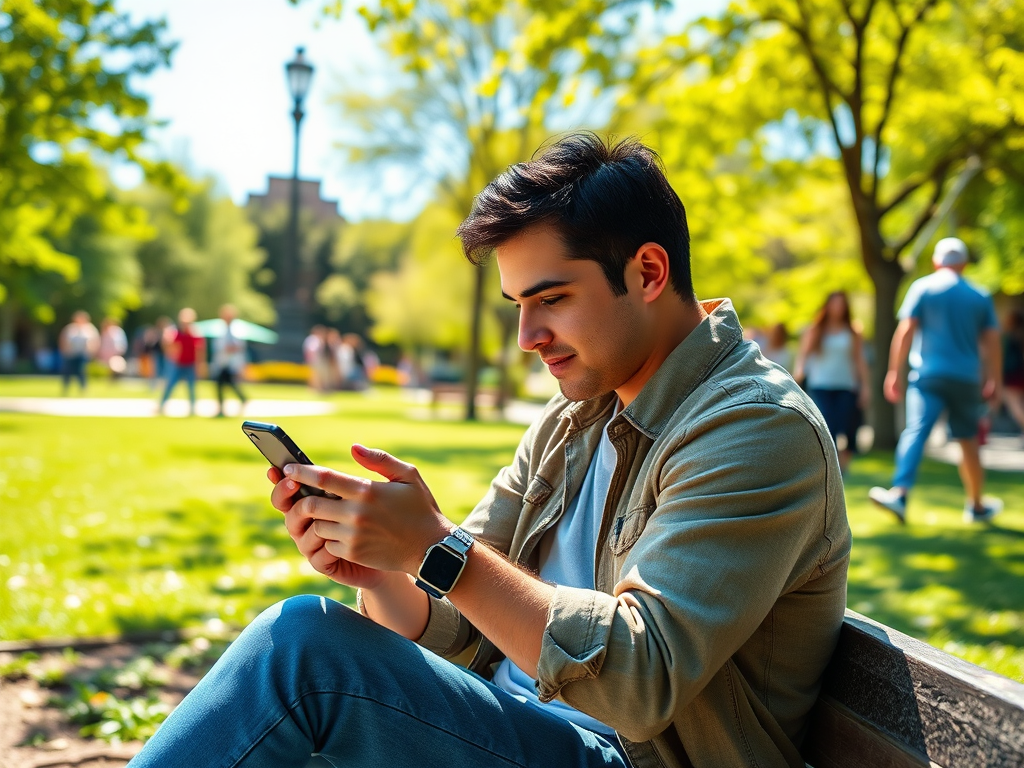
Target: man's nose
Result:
[[532, 332]]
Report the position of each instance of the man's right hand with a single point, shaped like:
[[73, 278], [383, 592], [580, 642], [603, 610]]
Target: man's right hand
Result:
[[311, 546], [893, 387]]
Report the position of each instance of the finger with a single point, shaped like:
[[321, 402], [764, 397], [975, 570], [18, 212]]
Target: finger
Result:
[[283, 497], [338, 483], [384, 464], [274, 475]]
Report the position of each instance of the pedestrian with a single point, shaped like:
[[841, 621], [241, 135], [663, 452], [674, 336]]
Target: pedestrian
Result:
[[186, 353], [949, 334], [832, 368], [317, 353], [775, 346], [658, 578], [229, 359], [113, 347], [79, 341], [1013, 365]]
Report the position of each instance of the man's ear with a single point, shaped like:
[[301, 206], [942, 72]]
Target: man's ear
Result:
[[652, 263]]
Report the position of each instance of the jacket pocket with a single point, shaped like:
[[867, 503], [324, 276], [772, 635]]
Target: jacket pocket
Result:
[[538, 491], [627, 528]]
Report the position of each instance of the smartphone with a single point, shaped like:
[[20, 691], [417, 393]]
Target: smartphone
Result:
[[274, 443]]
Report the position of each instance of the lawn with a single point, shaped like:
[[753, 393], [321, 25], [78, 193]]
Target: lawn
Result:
[[117, 525]]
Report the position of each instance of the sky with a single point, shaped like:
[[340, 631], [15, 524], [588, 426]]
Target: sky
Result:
[[226, 99], [226, 96]]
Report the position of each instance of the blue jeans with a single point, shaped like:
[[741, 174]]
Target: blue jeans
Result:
[[926, 400], [175, 374], [311, 677]]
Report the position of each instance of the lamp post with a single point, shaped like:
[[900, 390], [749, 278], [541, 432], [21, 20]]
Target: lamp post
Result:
[[293, 297]]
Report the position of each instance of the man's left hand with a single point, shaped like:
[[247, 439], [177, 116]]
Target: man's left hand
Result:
[[383, 525]]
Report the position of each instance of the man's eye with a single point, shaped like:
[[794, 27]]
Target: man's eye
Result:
[[547, 301]]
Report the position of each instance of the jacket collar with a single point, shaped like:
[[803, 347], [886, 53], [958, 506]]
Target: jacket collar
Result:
[[686, 367]]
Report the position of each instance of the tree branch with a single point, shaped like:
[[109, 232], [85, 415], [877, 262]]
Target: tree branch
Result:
[[894, 73], [924, 216]]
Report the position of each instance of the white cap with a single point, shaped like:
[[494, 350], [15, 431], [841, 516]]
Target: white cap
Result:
[[950, 252]]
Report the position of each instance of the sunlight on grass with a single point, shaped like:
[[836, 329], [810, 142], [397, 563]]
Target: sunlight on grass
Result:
[[114, 525]]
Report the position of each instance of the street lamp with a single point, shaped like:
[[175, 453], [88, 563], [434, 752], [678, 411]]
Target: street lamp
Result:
[[292, 314]]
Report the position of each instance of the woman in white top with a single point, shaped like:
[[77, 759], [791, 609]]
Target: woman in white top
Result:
[[832, 368]]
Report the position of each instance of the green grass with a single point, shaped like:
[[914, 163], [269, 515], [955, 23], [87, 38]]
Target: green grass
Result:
[[115, 525], [957, 586]]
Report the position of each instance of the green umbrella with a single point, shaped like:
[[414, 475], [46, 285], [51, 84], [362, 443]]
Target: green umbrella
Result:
[[240, 329]]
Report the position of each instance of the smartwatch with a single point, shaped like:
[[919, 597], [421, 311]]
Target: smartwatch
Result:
[[444, 563]]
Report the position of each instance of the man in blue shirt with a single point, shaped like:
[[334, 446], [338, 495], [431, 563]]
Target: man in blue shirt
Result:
[[948, 330]]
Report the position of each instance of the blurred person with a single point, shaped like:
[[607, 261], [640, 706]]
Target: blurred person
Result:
[[948, 332], [186, 354], [78, 343], [775, 346], [657, 579], [1013, 365], [317, 354], [229, 359], [153, 341], [113, 346], [832, 368]]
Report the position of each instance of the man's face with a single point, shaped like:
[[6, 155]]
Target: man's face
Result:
[[592, 341]]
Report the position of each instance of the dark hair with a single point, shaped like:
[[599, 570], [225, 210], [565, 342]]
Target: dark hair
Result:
[[817, 329], [604, 200]]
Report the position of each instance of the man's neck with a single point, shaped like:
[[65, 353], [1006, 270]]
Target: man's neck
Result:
[[676, 320]]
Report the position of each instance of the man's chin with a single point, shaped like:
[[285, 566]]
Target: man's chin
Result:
[[576, 391]]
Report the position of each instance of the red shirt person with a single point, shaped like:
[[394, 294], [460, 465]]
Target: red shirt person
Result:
[[185, 351]]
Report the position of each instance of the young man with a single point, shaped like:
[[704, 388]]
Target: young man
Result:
[[658, 579], [948, 330]]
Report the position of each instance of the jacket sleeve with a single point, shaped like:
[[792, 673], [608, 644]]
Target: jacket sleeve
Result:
[[739, 519]]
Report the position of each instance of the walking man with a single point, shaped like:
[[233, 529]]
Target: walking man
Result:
[[949, 332], [657, 579], [229, 359]]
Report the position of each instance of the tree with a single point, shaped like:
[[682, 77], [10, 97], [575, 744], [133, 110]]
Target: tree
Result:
[[902, 93], [478, 86], [64, 64], [202, 257]]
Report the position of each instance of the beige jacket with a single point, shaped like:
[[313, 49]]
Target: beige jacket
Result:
[[721, 576]]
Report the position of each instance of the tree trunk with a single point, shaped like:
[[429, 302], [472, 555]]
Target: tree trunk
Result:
[[473, 371], [886, 275], [8, 313], [887, 283]]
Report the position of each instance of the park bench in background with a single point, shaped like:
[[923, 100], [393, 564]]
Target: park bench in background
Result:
[[890, 701]]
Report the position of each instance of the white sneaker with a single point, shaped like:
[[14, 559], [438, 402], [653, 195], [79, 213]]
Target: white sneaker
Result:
[[890, 500], [990, 507]]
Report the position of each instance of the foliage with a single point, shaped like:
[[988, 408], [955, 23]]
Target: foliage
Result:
[[68, 101], [319, 237], [202, 256], [473, 88], [105, 716], [900, 97]]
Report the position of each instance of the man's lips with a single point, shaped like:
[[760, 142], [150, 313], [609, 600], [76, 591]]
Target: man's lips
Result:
[[555, 360]]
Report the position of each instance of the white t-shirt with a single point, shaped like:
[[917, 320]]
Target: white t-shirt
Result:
[[567, 557]]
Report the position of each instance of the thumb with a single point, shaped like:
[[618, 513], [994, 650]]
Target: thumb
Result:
[[384, 464]]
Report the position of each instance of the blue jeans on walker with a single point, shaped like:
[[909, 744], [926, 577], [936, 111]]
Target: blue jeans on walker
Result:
[[311, 677], [175, 374], [926, 400]]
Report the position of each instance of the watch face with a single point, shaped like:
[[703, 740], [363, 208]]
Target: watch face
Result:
[[441, 567]]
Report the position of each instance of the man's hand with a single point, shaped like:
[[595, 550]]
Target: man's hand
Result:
[[893, 387], [373, 528]]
